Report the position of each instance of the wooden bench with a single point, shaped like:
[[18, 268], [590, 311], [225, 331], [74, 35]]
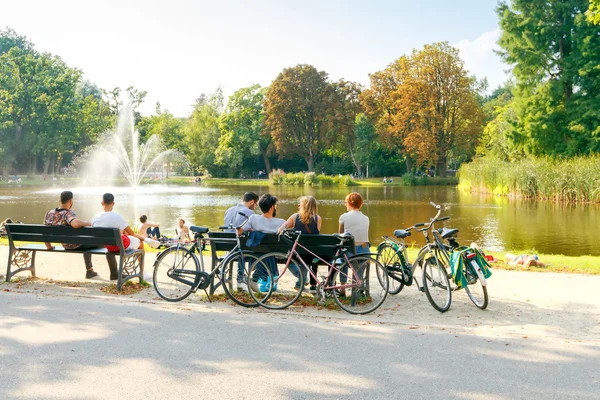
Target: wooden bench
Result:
[[22, 258], [325, 246]]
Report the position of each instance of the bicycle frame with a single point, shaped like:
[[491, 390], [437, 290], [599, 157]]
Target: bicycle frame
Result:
[[331, 266], [199, 245]]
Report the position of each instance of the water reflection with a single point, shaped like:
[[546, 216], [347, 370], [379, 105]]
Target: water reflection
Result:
[[496, 223]]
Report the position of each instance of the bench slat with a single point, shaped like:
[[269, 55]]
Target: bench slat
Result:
[[86, 240], [61, 230], [99, 250], [322, 245]]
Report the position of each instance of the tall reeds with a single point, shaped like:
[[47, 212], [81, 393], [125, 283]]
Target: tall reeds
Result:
[[571, 180]]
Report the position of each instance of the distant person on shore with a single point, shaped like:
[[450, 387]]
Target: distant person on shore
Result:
[[65, 216], [147, 229], [246, 207], [3, 227], [183, 232], [308, 221], [357, 224], [524, 260]]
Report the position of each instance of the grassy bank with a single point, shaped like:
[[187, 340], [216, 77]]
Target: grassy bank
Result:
[[570, 180], [408, 180], [589, 265], [556, 263]]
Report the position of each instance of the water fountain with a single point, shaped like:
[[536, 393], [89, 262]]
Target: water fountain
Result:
[[120, 154]]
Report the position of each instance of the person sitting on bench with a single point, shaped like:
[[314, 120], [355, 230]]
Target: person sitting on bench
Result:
[[65, 216]]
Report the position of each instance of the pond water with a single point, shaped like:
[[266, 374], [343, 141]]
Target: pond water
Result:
[[496, 223]]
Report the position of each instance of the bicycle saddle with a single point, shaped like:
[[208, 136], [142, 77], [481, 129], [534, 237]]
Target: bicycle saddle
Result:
[[401, 233], [198, 229], [343, 236], [447, 232]]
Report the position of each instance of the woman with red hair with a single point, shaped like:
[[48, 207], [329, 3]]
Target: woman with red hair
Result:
[[357, 224]]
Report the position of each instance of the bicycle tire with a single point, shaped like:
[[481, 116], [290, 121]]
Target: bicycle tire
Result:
[[230, 282], [479, 296], [275, 292], [436, 284], [388, 256], [176, 260], [364, 296]]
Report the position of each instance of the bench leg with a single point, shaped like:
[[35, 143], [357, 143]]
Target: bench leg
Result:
[[130, 267], [120, 277], [18, 261]]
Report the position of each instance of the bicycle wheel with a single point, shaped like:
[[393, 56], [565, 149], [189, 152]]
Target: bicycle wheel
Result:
[[234, 278], [367, 281], [475, 290], [387, 255], [175, 273], [437, 286], [274, 285]]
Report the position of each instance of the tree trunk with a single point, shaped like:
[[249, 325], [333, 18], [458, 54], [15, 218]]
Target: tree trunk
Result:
[[310, 163], [409, 164], [47, 163], [441, 167], [33, 166], [267, 163], [358, 168]]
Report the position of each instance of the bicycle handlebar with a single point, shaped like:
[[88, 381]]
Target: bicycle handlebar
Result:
[[431, 222], [246, 219]]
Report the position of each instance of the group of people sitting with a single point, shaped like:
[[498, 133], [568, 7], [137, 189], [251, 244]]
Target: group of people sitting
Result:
[[306, 220], [65, 216]]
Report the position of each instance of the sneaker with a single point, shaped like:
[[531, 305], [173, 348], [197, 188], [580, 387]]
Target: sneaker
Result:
[[90, 273], [114, 277], [242, 286], [254, 286], [152, 243], [312, 290], [341, 292]]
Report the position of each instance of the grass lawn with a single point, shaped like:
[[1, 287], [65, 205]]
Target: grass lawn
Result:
[[555, 262]]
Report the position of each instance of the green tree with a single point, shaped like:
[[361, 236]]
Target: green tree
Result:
[[46, 112], [346, 109], [243, 130], [554, 53], [299, 112], [202, 133]]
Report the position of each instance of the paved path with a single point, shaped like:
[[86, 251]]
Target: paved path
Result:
[[80, 348], [539, 338]]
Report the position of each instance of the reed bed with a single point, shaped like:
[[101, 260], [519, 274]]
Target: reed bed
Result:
[[569, 180]]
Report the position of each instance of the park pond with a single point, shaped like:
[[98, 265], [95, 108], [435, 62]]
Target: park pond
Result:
[[494, 222]]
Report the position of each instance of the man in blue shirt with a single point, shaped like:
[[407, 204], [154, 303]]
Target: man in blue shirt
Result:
[[246, 207]]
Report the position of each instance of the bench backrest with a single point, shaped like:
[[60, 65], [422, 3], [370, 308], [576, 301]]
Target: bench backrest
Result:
[[322, 245], [92, 236]]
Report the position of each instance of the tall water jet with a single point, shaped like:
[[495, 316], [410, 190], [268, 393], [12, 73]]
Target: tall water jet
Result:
[[120, 153]]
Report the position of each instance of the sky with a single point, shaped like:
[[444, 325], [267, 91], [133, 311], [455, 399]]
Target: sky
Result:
[[178, 49]]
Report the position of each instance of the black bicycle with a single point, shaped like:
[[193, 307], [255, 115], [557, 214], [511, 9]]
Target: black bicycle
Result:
[[178, 272]]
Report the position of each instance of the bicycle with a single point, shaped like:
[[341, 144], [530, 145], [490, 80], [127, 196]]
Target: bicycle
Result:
[[432, 258], [276, 280], [178, 272], [392, 254]]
